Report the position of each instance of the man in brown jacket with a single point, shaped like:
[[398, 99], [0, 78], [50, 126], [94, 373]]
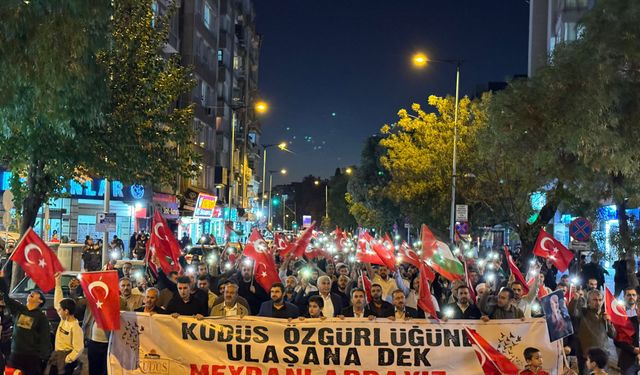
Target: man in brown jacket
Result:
[[594, 325]]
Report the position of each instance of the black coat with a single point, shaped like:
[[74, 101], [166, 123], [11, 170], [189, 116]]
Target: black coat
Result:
[[385, 311], [412, 313], [626, 358], [472, 312], [347, 312]]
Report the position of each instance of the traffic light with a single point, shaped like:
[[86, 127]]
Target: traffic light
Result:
[[294, 225], [275, 201]]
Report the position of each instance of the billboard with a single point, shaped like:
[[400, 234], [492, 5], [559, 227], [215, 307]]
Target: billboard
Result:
[[205, 206]]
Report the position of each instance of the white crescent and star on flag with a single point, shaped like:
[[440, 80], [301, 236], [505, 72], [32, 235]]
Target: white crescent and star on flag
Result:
[[617, 308], [102, 285], [553, 250], [156, 231], [27, 250], [260, 245]]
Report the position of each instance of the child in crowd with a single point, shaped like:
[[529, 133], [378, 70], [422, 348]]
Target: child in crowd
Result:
[[316, 303], [597, 361], [533, 357]]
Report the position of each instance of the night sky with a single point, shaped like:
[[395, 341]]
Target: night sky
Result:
[[335, 71]]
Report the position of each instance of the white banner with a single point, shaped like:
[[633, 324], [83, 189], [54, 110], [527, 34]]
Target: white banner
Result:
[[161, 344]]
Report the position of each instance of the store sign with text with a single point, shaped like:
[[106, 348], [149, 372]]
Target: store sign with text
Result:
[[205, 206], [92, 189]]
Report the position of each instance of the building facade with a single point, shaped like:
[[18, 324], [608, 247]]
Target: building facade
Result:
[[218, 39], [552, 22]]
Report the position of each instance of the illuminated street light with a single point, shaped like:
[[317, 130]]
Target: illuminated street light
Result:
[[420, 59], [261, 107], [348, 171], [283, 171]]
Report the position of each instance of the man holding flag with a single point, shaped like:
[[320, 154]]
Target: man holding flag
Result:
[[594, 325], [628, 351], [30, 345]]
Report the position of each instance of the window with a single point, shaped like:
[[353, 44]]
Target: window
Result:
[[576, 4], [154, 9], [207, 16], [570, 31], [220, 55], [203, 93]]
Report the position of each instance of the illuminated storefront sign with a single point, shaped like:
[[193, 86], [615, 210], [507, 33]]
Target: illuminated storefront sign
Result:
[[205, 206], [92, 189]]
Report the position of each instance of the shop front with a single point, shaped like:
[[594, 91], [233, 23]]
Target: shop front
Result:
[[73, 218], [201, 216]]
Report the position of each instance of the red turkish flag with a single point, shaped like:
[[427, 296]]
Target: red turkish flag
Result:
[[365, 252], [264, 268], [164, 244], [366, 285], [407, 255], [37, 260], [424, 299], [552, 249], [103, 297], [313, 252], [492, 361], [619, 319], [281, 242], [429, 242], [385, 251], [300, 245], [515, 271], [341, 239]]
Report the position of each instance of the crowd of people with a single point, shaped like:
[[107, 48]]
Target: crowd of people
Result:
[[223, 284]]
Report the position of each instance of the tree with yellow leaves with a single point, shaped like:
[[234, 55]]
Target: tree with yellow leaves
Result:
[[419, 155]]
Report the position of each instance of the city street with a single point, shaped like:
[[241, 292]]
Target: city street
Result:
[[255, 187]]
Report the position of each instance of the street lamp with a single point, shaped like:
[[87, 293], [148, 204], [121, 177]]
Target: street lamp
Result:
[[282, 146], [283, 172], [260, 107], [348, 171], [326, 197], [420, 60]]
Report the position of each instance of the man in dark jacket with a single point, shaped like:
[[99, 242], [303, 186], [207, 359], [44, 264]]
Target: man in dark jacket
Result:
[[186, 303], [378, 307], [277, 307], [463, 308], [628, 354], [358, 308], [401, 310], [593, 270], [30, 342]]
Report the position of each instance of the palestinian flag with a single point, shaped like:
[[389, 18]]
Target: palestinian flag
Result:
[[439, 257]]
